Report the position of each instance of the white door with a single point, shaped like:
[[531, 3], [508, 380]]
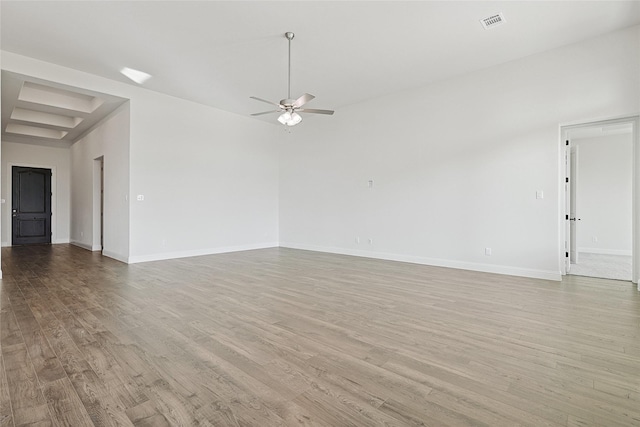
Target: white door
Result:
[[573, 217], [567, 193]]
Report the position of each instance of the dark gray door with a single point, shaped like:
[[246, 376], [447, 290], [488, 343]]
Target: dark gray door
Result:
[[31, 208]]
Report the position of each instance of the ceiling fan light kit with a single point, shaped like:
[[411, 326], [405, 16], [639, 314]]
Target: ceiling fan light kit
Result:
[[290, 119], [288, 107]]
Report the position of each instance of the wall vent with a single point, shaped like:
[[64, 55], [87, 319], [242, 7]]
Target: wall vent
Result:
[[493, 21]]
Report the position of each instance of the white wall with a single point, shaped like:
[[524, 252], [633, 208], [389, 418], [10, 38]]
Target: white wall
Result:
[[603, 198], [456, 164], [209, 178], [110, 140], [56, 159]]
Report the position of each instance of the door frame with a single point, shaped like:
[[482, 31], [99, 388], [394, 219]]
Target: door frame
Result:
[[9, 201], [635, 189], [97, 243]]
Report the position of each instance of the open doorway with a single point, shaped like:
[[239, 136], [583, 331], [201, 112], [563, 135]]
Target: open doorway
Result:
[[601, 199], [98, 204]]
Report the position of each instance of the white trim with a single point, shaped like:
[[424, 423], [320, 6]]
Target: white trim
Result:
[[197, 252], [60, 241], [116, 256], [634, 119], [80, 245], [635, 210], [97, 199], [603, 251], [87, 246], [459, 265], [5, 244]]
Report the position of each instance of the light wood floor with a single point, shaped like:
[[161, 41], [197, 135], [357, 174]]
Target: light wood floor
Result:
[[286, 337]]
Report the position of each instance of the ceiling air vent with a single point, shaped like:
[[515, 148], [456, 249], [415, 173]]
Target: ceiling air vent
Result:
[[493, 21]]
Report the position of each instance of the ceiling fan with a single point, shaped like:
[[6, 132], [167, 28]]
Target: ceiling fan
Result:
[[289, 108]]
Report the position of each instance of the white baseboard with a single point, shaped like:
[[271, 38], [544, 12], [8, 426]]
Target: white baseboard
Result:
[[605, 251], [5, 244], [460, 265], [92, 248], [81, 245], [199, 252], [116, 256]]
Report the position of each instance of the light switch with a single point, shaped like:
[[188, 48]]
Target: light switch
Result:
[[539, 194]]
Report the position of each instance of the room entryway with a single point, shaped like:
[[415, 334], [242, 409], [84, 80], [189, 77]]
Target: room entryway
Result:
[[98, 204], [31, 205], [599, 162]]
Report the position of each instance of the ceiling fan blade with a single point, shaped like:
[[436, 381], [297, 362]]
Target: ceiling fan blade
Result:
[[264, 100], [302, 100], [266, 112], [316, 111]]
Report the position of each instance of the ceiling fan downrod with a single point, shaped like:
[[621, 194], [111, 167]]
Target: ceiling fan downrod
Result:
[[289, 35]]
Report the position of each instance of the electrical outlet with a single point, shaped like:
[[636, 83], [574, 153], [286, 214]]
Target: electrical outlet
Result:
[[594, 239], [487, 251], [370, 241], [358, 240]]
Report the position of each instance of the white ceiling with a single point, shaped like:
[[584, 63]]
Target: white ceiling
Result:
[[220, 53], [45, 113]]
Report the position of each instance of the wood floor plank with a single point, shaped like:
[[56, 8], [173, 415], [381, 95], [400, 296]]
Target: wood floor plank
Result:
[[64, 404], [33, 416], [283, 337], [102, 406], [10, 331], [6, 413], [21, 377]]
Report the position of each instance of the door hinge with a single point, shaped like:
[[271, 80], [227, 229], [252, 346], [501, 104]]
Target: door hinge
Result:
[[566, 254], [567, 142], [566, 217], [566, 179]]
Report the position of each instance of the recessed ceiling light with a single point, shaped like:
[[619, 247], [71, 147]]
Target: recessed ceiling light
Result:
[[135, 75]]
